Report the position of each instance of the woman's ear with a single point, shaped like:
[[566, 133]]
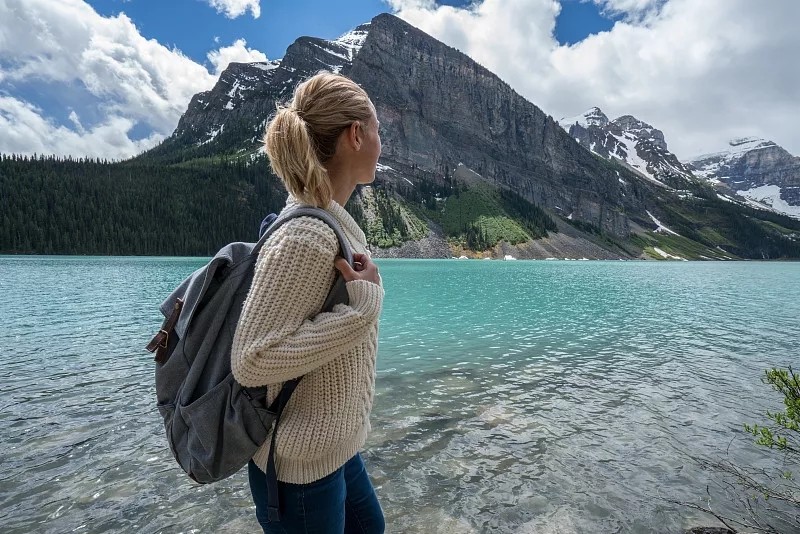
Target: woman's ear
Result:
[[355, 135]]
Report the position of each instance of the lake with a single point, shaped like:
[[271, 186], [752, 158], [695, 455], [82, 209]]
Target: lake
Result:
[[518, 396]]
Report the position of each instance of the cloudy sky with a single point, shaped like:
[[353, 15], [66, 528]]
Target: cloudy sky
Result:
[[110, 78]]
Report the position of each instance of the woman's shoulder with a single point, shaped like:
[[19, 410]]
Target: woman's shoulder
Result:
[[306, 230]]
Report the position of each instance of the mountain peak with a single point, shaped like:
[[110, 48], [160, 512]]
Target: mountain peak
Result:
[[743, 140], [591, 117], [749, 143], [635, 143], [353, 40], [736, 148], [629, 122]]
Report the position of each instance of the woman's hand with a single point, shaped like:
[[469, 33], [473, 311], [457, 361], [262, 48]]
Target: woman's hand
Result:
[[363, 269]]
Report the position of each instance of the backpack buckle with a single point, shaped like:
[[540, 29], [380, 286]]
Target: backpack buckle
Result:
[[163, 340], [159, 342]]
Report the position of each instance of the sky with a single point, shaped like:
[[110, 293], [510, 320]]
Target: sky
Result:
[[110, 78]]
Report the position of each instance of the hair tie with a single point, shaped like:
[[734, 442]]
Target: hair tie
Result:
[[298, 112]]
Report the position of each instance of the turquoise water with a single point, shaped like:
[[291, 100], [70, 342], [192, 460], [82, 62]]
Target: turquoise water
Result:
[[512, 396]]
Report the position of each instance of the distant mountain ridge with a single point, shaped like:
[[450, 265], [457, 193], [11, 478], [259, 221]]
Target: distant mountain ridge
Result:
[[757, 170], [750, 170], [634, 143]]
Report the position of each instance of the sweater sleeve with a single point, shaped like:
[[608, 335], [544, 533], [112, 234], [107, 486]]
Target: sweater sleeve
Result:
[[280, 334]]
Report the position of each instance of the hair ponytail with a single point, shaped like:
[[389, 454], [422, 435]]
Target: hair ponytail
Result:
[[291, 152], [301, 138]]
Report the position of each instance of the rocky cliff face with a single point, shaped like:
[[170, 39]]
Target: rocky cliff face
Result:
[[233, 115], [243, 90], [630, 141], [439, 108], [756, 169]]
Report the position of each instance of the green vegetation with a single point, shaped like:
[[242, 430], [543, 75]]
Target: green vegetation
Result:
[[389, 223], [677, 246], [783, 433], [192, 201], [427, 191], [535, 220], [741, 231], [480, 216], [65, 206], [177, 149], [765, 499]]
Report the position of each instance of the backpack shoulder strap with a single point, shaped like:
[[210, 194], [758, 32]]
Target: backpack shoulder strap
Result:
[[309, 211]]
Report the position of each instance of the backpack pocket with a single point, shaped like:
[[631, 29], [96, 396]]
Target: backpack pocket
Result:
[[224, 431]]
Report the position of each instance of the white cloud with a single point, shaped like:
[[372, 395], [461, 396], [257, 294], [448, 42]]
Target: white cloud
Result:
[[75, 120], [65, 42], [236, 8], [138, 82], [510, 33], [237, 52], [631, 9], [26, 131], [702, 72]]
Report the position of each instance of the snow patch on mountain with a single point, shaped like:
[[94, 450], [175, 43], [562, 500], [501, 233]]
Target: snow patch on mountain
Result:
[[353, 40], [661, 228], [341, 53], [345, 47], [738, 147], [668, 256], [770, 195], [212, 135], [269, 65], [592, 117], [708, 165], [236, 85], [631, 157]]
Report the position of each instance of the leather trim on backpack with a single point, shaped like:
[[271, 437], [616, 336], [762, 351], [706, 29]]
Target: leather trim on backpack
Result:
[[160, 341]]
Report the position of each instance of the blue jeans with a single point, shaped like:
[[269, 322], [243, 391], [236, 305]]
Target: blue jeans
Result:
[[342, 502]]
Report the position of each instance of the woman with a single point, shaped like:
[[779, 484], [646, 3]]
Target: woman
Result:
[[322, 146]]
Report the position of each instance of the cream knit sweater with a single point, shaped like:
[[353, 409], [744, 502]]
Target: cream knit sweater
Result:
[[282, 335]]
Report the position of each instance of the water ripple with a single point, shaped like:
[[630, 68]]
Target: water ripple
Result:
[[538, 397]]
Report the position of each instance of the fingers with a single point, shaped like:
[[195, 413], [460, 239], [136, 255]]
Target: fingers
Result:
[[362, 269], [347, 271], [363, 259]]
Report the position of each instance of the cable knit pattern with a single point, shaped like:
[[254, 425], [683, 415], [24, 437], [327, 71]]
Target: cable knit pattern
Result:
[[282, 335]]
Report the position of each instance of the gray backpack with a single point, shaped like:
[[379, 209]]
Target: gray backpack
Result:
[[213, 424]]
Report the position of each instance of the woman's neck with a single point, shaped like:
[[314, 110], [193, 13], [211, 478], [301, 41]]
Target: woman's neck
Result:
[[342, 194], [342, 184]]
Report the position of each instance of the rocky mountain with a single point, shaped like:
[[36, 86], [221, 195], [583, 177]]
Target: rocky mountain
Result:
[[758, 170], [634, 143], [470, 166], [436, 106], [233, 114]]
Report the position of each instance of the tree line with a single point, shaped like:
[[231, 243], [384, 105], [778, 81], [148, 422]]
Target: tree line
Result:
[[54, 205]]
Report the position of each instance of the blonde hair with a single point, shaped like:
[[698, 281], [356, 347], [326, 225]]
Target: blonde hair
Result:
[[301, 138]]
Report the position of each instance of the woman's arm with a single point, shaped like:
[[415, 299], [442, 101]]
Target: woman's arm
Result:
[[280, 335]]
